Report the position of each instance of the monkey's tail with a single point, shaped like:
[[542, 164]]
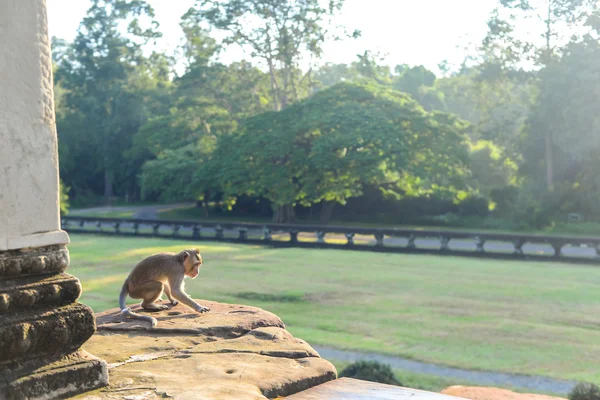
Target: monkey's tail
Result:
[[127, 311]]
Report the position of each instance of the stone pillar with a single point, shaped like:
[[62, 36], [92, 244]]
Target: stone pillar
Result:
[[41, 325]]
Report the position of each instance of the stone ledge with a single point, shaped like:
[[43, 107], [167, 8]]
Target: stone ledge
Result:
[[34, 334], [17, 295], [346, 388], [45, 378], [36, 261], [222, 321], [231, 352], [34, 240]]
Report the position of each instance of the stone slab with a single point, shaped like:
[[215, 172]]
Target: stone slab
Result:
[[53, 378], [222, 321], [33, 261], [491, 393], [353, 389], [18, 295], [48, 332], [194, 357]]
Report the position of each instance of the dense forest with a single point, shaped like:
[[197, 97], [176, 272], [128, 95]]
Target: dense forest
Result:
[[511, 137]]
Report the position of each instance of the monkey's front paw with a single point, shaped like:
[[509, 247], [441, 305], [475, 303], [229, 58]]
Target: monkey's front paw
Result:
[[174, 302], [203, 309]]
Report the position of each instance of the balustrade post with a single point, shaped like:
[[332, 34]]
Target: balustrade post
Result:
[[321, 237], [350, 239], [81, 223], [219, 232], [518, 244], [64, 223], [136, 228], [267, 234], [411, 242], [293, 236], [155, 229], [557, 248], [243, 234], [99, 226], [196, 232], [379, 239], [176, 230], [444, 240], [480, 243], [117, 227]]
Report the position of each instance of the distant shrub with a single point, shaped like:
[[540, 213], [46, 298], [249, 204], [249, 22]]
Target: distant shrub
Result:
[[474, 206], [372, 371], [585, 391]]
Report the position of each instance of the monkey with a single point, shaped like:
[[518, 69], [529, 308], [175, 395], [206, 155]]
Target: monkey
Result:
[[158, 273]]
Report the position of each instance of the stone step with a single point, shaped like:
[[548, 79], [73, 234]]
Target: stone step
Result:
[[36, 261], [37, 333], [49, 378], [17, 295]]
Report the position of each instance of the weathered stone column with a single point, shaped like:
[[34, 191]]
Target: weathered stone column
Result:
[[41, 325]]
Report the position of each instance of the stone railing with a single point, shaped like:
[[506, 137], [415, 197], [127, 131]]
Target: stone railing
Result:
[[463, 243]]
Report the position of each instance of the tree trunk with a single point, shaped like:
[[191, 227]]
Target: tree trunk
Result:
[[108, 186], [284, 214], [205, 206], [549, 161], [548, 136], [290, 214], [326, 211]]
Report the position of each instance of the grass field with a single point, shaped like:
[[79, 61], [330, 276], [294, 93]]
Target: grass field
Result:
[[531, 318]]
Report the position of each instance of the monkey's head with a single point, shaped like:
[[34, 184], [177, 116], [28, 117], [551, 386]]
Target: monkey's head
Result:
[[192, 260]]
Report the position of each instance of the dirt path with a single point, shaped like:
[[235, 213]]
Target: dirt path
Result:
[[140, 212], [486, 378]]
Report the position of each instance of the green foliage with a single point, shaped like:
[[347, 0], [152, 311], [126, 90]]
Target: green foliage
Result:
[[585, 391], [493, 173], [63, 193], [106, 78], [373, 371], [169, 177], [130, 126], [326, 147], [283, 30], [566, 114]]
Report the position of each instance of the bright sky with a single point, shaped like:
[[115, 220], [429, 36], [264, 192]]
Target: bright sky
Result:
[[410, 32]]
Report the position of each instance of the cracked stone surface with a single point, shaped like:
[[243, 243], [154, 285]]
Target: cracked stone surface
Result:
[[232, 352]]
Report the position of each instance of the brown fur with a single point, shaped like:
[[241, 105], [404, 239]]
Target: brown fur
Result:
[[163, 272]]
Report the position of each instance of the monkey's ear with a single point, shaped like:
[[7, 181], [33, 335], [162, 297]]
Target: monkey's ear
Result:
[[184, 255], [197, 251]]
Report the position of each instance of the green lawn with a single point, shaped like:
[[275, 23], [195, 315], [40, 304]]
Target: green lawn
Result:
[[521, 317]]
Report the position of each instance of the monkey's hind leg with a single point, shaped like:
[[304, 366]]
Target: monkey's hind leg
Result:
[[150, 292]]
